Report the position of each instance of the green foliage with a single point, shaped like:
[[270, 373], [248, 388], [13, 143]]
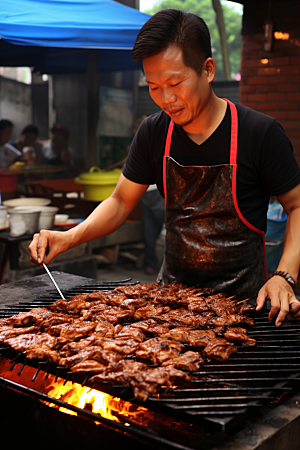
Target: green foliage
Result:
[[233, 25]]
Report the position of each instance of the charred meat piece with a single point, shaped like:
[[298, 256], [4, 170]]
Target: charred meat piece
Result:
[[72, 331], [26, 341], [89, 365], [150, 326], [33, 317], [124, 346], [92, 310], [124, 301], [138, 290], [231, 319], [219, 349], [149, 311], [159, 350], [246, 307], [113, 314], [197, 304], [239, 334], [90, 352], [190, 361], [181, 316], [43, 353], [104, 329], [72, 306], [9, 331], [129, 332], [71, 348]]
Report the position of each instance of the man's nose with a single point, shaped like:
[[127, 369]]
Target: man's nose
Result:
[[168, 96]]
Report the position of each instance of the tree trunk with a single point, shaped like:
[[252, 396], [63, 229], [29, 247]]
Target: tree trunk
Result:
[[221, 26]]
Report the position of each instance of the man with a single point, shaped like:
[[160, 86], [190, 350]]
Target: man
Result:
[[27, 144], [56, 152], [216, 163], [8, 153]]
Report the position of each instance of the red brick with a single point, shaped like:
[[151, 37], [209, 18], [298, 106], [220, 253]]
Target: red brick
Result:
[[277, 97], [290, 124], [249, 105], [293, 133], [243, 97], [268, 71], [267, 88], [294, 79], [295, 141], [251, 63], [267, 106], [288, 88], [247, 89], [290, 70], [294, 96], [287, 106], [293, 114], [248, 71], [258, 80], [278, 115], [278, 79], [295, 60], [279, 61], [257, 97]]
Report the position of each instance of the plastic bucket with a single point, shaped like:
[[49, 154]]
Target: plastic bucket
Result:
[[8, 180], [98, 185]]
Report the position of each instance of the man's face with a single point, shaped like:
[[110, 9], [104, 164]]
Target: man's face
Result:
[[58, 141], [177, 89], [28, 139], [5, 135]]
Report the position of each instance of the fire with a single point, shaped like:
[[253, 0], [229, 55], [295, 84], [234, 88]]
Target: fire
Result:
[[87, 398]]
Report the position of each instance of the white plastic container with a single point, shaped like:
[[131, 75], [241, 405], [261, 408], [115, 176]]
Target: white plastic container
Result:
[[23, 221], [3, 215], [47, 215]]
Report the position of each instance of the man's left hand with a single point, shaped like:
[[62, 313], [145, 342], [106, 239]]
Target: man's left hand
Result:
[[284, 304]]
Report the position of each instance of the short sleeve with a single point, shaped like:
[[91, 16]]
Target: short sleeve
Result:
[[279, 168]]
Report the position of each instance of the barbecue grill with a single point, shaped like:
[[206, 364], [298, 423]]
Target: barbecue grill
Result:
[[221, 399]]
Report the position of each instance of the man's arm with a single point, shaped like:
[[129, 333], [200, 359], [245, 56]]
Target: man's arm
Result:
[[284, 304], [106, 218]]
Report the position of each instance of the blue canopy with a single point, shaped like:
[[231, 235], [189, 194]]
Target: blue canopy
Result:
[[53, 35]]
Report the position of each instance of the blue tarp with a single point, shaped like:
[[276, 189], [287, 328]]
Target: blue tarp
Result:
[[53, 35]]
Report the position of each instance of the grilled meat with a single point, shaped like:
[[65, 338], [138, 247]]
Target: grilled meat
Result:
[[219, 349], [89, 365], [239, 334], [190, 361]]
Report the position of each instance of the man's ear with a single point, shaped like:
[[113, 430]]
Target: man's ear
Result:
[[210, 68]]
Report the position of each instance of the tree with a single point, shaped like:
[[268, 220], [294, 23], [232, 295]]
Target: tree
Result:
[[233, 22]]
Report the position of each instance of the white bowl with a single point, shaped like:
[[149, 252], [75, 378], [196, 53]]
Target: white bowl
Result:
[[47, 214], [28, 201], [23, 220], [61, 218]]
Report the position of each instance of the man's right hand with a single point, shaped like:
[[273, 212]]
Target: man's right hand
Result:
[[48, 244]]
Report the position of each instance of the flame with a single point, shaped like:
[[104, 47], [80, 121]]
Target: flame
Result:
[[87, 398]]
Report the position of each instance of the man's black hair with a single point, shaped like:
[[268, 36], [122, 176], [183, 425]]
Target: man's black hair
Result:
[[174, 27], [30, 129], [5, 123]]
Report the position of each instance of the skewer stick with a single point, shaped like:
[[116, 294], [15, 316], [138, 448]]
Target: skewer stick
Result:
[[246, 299]]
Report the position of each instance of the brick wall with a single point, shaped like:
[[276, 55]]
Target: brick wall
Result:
[[270, 81]]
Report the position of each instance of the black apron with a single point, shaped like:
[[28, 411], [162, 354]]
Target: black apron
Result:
[[208, 241]]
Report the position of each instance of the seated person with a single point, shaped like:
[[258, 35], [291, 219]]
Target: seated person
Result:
[[8, 153], [56, 151], [28, 144]]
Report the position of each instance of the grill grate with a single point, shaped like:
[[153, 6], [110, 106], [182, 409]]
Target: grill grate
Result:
[[221, 392]]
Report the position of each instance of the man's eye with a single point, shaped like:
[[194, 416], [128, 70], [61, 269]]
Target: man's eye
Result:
[[153, 88], [175, 84]]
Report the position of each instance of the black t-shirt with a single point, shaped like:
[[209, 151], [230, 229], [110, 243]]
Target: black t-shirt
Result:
[[265, 160]]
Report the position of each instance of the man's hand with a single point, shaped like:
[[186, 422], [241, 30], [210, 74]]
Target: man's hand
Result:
[[48, 244], [284, 304]]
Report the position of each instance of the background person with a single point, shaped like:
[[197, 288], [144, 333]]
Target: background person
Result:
[[27, 144], [216, 163], [56, 152], [8, 153]]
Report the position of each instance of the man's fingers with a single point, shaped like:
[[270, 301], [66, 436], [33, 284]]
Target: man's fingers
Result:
[[261, 298]]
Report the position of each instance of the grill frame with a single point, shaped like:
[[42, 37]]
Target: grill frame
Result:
[[224, 419]]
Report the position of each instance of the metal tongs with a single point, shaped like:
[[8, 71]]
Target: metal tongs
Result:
[[53, 281]]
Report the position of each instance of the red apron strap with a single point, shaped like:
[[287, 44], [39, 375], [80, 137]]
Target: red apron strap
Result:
[[167, 153], [234, 132]]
